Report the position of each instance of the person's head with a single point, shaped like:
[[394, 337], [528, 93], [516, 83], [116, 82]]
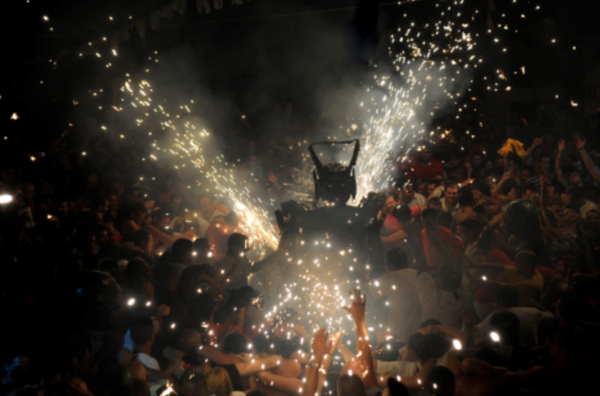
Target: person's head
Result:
[[408, 193], [527, 173], [161, 219], [138, 213], [422, 347], [396, 259], [560, 340], [477, 159], [391, 202], [237, 244], [176, 200], [515, 193], [440, 382], [218, 382], [526, 261], [208, 204], [478, 213], [350, 386], [470, 230], [426, 154], [235, 344], [444, 219], [491, 238], [192, 382], [434, 203], [593, 215], [451, 194], [432, 186], [203, 250], [449, 279], [142, 332], [531, 191], [144, 239], [506, 325], [507, 297], [422, 188], [429, 218], [182, 251], [402, 214]]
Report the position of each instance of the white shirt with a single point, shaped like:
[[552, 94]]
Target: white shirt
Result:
[[399, 286], [454, 212], [417, 200], [587, 206], [440, 304], [529, 319]]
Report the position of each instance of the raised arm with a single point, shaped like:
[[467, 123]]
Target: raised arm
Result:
[[282, 384], [357, 311], [580, 144], [536, 142], [559, 175], [320, 347], [256, 365]]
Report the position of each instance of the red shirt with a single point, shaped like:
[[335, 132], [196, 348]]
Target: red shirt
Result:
[[422, 171], [436, 256]]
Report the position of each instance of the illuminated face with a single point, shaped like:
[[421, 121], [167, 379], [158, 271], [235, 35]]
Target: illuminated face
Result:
[[451, 195], [390, 205], [478, 216], [422, 189], [545, 162], [207, 207]]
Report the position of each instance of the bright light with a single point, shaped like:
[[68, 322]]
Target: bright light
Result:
[[131, 302], [494, 336], [457, 345], [5, 198]]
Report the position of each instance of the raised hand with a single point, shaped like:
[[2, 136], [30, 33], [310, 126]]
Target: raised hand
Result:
[[320, 347], [579, 142], [357, 309], [335, 341], [561, 146]]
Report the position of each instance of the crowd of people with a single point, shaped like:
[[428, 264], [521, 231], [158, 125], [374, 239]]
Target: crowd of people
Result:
[[118, 278]]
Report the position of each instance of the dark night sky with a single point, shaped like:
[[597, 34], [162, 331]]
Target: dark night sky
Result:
[[290, 50]]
